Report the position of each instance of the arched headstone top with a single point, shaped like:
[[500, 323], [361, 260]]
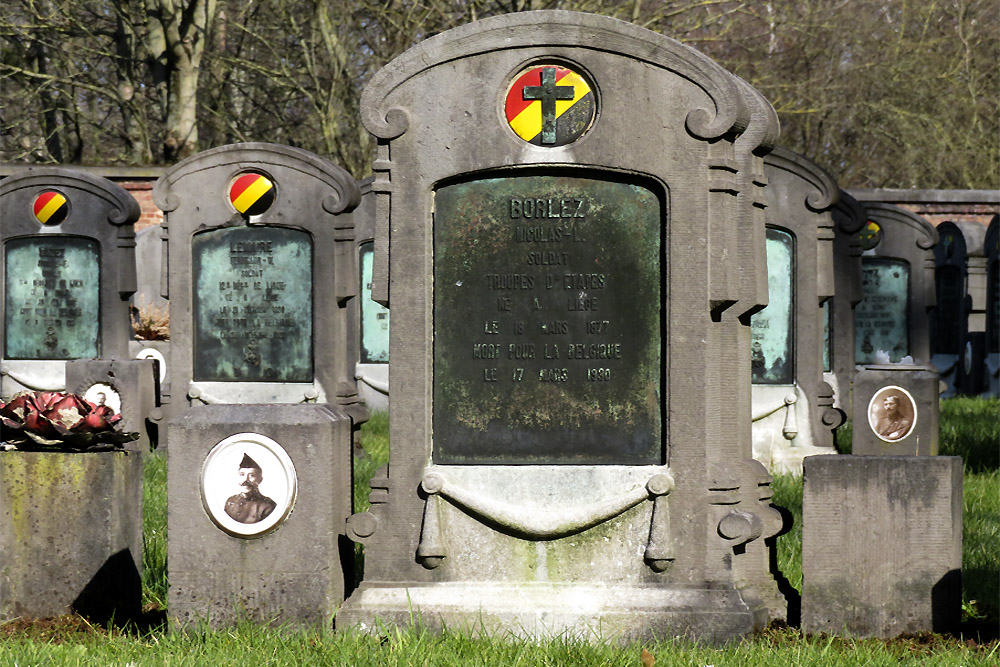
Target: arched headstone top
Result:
[[554, 29], [991, 243], [973, 235], [122, 208], [266, 158], [764, 128], [952, 247], [926, 235], [823, 192], [848, 214]]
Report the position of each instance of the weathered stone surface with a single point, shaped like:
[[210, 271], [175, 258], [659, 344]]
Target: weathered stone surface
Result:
[[77, 254], [134, 386], [294, 572], [70, 534], [912, 427], [454, 540], [881, 544], [372, 353], [849, 218]]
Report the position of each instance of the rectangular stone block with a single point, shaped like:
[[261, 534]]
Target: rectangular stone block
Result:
[[70, 534], [881, 544], [276, 557], [128, 386], [896, 409]]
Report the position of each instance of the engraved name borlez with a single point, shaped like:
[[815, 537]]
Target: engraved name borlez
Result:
[[556, 340]]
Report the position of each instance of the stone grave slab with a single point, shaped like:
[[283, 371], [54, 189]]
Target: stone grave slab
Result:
[[896, 409], [570, 413], [793, 408], [881, 545]]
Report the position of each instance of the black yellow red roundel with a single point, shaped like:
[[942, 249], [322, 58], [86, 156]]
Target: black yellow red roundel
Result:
[[251, 193], [50, 207], [550, 105]]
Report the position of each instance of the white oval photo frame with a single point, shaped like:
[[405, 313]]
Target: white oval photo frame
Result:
[[153, 353], [874, 408], [111, 397], [219, 482]]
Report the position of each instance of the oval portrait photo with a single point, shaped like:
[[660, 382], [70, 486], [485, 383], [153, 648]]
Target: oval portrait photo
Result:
[[248, 484], [892, 413]]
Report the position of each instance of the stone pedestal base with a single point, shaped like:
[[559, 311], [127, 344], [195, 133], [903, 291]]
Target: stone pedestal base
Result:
[[881, 544], [534, 610], [285, 566], [70, 534]]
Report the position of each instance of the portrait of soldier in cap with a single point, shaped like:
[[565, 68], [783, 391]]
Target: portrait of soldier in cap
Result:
[[250, 505]]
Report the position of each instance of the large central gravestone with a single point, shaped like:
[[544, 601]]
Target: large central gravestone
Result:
[[570, 235], [793, 408], [263, 282]]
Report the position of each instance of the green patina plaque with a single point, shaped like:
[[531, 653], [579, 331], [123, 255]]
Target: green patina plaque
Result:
[[880, 320], [374, 316], [52, 300], [548, 319], [771, 351], [253, 309]]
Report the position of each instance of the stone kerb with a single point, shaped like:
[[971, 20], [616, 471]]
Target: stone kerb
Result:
[[669, 126], [312, 197], [849, 219], [793, 404], [85, 232], [898, 265]]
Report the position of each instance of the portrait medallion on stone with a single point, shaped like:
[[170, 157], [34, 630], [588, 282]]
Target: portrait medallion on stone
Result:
[[892, 413], [104, 396], [248, 485], [550, 105]]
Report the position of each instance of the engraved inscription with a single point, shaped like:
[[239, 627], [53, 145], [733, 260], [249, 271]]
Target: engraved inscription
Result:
[[52, 298], [880, 320], [547, 321], [253, 305]]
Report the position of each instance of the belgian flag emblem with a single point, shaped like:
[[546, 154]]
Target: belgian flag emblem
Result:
[[550, 105], [251, 194], [870, 235], [50, 207]]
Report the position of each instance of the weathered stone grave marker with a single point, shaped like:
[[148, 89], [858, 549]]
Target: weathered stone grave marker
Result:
[[794, 415], [68, 270], [839, 367], [262, 279], [570, 416], [373, 342], [993, 307]]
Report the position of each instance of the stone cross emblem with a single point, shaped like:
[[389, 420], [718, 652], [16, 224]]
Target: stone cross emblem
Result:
[[548, 93], [550, 105]]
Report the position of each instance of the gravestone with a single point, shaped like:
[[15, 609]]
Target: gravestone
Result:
[[896, 409], [68, 270], [898, 282], [881, 545], [993, 307], [793, 408], [373, 341], [839, 368], [570, 416], [262, 280]]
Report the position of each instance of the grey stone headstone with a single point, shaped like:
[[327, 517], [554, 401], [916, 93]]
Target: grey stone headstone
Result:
[[529, 328], [881, 545], [70, 534], [849, 218], [896, 409], [793, 408], [373, 318], [993, 307], [898, 281], [128, 386], [67, 270]]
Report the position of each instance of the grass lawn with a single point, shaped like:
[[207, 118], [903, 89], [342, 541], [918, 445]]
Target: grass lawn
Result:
[[969, 427]]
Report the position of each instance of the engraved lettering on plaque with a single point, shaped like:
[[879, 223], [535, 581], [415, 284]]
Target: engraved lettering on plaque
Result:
[[52, 298], [880, 320], [547, 321], [253, 305], [771, 329]]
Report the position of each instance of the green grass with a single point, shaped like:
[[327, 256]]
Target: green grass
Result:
[[970, 428]]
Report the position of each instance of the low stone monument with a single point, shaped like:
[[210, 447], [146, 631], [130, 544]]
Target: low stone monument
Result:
[[896, 409], [838, 315], [993, 307], [68, 270], [262, 284], [373, 341], [793, 408], [881, 545], [573, 247], [898, 282]]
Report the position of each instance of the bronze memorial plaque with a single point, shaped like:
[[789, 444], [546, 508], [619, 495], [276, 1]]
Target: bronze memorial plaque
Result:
[[253, 305], [548, 318], [52, 298]]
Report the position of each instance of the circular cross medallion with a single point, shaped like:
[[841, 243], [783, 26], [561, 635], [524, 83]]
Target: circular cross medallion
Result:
[[50, 207], [248, 485], [871, 235], [550, 105], [251, 193]]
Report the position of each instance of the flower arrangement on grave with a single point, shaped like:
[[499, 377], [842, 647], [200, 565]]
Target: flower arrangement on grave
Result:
[[59, 421]]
